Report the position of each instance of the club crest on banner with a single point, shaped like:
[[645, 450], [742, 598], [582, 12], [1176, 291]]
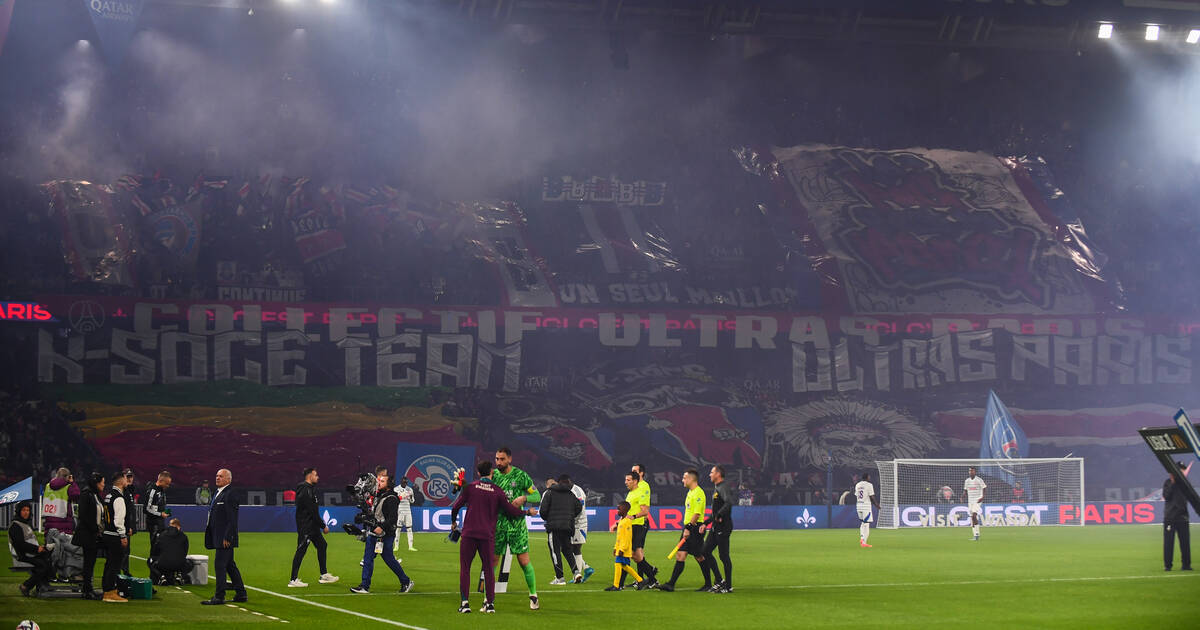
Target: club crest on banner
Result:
[[86, 316], [432, 475]]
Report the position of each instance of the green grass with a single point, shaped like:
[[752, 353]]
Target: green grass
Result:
[[1093, 577]]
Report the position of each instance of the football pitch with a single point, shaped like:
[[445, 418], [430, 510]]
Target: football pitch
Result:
[[1044, 577]]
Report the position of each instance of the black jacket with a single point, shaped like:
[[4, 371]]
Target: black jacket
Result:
[[1177, 504], [90, 521], [724, 497], [559, 507], [155, 501], [172, 550], [17, 534], [117, 495], [222, 520], [308, 518], [386, 507]]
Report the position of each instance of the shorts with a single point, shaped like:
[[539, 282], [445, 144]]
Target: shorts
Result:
[[639, 536], [621, 560], [404, 519], [578, 536], [516, 540], [865, 515], [975, 508], [694, 545]]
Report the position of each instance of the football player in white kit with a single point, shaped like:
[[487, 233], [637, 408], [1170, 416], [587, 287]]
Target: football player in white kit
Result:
[[973, 488], [864, 495], [579, 537], [404, 513]]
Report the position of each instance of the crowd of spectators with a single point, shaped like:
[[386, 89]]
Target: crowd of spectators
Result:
[[1000, 102]]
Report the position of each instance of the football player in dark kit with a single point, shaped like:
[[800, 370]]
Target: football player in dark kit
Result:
[[484, 502], [720, 526], [1175, 521]]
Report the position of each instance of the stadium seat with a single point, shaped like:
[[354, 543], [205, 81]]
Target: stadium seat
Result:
[[18, 565]]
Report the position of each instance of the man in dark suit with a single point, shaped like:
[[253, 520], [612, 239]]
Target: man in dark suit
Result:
[[221, 534]]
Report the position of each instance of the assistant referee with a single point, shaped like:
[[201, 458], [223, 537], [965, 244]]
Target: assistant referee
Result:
[[639, 506]]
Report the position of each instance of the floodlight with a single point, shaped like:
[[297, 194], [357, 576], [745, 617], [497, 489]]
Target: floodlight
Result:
[[1193, 36], [1151, 32], [1105, 32]]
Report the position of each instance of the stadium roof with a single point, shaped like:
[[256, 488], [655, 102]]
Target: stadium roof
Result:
[[1021, 24]]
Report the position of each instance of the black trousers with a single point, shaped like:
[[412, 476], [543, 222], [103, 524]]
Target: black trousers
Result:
[[42, 570], [302, 541], [1170, 529], [125, 558], [226, 565], [115, 555], [154, 526], [89, 566], [719, 540], [160, 571], [559, 541]]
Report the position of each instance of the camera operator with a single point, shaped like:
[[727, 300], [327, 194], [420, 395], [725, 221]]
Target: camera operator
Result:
[[381, 530]]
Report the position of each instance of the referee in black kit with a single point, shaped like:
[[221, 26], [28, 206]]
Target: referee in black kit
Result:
[[720, 526], [1175, 521]]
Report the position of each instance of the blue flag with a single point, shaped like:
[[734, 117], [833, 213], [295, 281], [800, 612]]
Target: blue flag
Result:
[[20, 491], [1002, 439]]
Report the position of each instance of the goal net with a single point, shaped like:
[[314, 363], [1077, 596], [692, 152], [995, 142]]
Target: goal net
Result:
[[1020, 492]]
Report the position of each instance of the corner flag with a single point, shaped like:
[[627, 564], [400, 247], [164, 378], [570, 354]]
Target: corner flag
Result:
[[20, 491]]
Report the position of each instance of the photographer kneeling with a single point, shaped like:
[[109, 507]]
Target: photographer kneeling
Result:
[[380, 525]]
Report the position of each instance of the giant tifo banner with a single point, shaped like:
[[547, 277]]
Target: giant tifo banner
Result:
[[277, 387], [932, 231]]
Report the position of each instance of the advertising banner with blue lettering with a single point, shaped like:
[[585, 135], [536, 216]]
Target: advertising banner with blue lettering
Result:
[[430, 468], [115, 22], [600, 519], [20, 491]]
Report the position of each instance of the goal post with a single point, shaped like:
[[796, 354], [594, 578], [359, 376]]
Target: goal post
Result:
[[1020, 492]]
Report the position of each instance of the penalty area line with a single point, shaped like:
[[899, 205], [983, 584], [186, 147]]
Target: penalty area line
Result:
[[355, 613]]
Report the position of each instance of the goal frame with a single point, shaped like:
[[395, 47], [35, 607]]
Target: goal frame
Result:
[[889, 469]]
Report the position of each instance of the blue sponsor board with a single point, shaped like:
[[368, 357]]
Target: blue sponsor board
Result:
[[437, 519]]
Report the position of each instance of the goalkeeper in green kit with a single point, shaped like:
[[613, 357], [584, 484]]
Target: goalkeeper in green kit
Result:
[[512, 533]]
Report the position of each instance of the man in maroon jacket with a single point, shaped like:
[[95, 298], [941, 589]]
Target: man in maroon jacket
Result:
[[484, 501]]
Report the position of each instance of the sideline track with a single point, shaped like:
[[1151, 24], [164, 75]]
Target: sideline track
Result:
[[256, 589]]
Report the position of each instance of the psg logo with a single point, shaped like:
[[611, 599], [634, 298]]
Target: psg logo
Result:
[[432, 476]]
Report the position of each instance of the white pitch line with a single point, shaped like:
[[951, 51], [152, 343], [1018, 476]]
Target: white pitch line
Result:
[[1177, 576], [389, 622]]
